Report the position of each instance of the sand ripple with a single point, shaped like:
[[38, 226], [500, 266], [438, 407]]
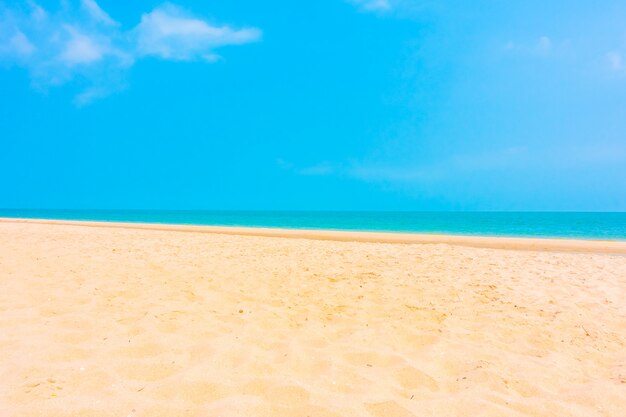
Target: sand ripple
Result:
[[137, 323]]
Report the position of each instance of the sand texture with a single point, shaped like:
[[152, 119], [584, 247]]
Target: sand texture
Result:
[[134, 322]]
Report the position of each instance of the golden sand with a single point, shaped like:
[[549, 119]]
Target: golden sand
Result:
[[143, 321]]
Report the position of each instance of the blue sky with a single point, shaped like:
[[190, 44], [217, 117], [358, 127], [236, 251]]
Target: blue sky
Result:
[[332, 104]]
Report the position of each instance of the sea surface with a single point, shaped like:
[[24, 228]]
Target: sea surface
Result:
[[606, 226]]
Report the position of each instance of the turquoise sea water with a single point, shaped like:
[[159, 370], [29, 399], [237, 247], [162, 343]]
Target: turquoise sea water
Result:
[[610, 226]]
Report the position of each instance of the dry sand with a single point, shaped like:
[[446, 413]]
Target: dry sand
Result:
[[120, 321]]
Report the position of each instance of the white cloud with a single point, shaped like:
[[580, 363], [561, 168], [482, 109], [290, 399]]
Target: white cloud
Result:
[[82, 42], [396, 8], [81, 49], [20, 44], [167, 32], [97, 13]]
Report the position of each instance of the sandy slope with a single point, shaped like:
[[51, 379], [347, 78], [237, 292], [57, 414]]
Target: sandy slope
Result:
[[112, 321]]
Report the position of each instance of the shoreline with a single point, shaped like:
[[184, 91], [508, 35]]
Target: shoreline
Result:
[[486, 242]]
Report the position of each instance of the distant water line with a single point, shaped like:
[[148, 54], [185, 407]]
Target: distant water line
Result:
[[581, 225]]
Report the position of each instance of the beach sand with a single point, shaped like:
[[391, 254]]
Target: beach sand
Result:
[[139, 321]]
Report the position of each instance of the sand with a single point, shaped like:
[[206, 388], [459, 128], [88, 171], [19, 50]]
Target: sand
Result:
[[140, 321]]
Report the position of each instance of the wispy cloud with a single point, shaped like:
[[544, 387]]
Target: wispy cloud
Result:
[[170, 33], [20, 44], [82, 49], [58, 47], [404, 9], [500, 162], [413, 173], [84, 42], [463, 165], [454, 165], [97, 13]]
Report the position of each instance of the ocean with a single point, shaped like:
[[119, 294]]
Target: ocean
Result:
[[606, 226]]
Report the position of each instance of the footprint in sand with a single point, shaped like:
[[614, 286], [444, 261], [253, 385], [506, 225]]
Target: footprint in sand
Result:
[[41, 389]]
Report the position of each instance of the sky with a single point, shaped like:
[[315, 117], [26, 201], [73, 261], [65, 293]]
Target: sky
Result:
[[324, 105]]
